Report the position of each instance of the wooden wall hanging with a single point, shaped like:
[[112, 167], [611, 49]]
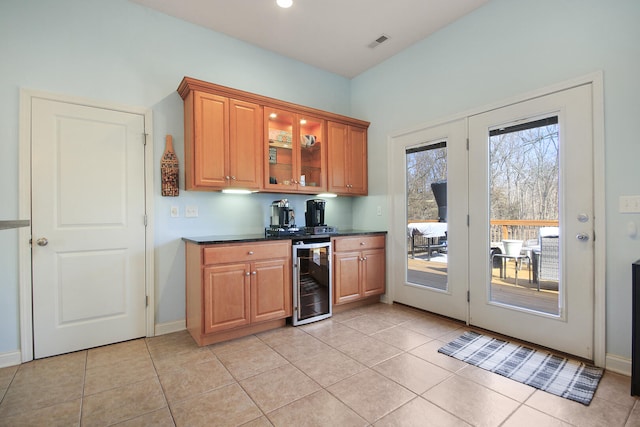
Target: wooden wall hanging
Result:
[[169, 170]]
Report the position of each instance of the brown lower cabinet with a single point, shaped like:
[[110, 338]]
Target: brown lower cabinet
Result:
[[358, 267], [237, 289]]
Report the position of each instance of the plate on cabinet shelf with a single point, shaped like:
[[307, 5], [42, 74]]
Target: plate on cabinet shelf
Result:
[[279, 144], [280, 135]]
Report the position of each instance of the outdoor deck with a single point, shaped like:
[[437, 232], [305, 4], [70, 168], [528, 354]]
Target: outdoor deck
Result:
[[433, 273]]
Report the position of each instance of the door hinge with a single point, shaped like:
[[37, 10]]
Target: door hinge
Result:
[[468, 296], [468, 220], [144, 138], [467, 144], [146, 300], [145, 220]]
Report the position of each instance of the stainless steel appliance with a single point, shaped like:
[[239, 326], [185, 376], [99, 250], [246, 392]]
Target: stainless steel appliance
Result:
[[311, 280], [282, 216]]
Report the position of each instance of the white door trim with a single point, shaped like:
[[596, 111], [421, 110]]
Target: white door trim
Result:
[[596, 79], [24, 191]]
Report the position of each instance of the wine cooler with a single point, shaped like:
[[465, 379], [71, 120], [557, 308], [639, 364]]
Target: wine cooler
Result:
[[311, 281]]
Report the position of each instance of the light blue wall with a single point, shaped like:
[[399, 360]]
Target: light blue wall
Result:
[[117, 51], [507, 48]]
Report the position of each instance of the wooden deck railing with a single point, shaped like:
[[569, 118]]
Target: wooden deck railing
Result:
[[517, 229]]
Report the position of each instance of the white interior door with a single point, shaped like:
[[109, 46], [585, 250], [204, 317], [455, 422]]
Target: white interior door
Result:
[[434, 281], [88, 226], [569, 326]]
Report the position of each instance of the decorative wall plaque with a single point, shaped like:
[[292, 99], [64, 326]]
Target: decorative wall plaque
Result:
[[169, 170]]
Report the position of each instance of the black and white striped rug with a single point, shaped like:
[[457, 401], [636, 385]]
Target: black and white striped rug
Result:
[[557, 375]]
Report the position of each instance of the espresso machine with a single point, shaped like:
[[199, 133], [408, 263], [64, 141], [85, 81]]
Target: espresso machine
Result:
[[314, 218], [282, 216]]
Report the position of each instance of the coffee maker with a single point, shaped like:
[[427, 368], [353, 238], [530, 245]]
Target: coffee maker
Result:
[[282, 216], [314, 216]]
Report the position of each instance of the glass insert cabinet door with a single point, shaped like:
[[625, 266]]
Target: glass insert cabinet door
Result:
[[295, 151]]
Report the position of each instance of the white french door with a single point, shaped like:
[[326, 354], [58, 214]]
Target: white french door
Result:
[[88, 226], [497, 302], [436, 282]]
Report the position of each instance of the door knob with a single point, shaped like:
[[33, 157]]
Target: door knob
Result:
[[583, 237], [42, 241]]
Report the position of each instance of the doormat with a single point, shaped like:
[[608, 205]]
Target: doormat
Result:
[[557, 375]]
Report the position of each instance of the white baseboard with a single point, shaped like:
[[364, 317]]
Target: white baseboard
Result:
[[618, 364], [170, 327], [10, 359]]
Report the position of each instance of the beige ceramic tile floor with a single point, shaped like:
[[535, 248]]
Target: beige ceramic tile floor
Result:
[[376, 365]]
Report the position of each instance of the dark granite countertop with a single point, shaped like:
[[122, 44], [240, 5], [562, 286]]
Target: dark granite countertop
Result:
[[242, 238], [4, 225]]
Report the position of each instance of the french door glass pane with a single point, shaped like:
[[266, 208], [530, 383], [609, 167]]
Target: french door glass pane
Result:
[[524, 227], [427, 215]]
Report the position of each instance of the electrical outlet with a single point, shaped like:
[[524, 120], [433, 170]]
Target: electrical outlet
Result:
[[191, 212], [379, 210], [629, 204], [175, 211]]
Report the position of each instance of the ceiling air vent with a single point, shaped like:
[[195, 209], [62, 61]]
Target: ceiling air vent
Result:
[[383, 38]]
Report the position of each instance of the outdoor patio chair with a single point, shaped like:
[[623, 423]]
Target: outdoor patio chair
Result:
[[549, 253]]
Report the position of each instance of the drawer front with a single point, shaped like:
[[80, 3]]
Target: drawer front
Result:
[[357, 243], [245, 252]]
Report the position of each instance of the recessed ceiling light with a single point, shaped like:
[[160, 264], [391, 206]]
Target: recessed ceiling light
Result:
[[284, 3]]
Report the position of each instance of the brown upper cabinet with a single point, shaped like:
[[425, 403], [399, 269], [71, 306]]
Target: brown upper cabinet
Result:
[[296, 157], [237, 139], [223, 142], [347, 159]]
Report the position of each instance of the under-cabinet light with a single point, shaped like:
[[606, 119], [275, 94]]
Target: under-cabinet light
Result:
[[327, 195], [236, 191], [273, 115], [303, 122]]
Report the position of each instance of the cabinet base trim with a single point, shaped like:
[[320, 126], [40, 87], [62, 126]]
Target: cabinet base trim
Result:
[[338, 308], [217, 337]]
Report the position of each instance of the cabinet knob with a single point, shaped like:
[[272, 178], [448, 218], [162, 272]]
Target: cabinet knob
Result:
[[254, 272], [250, 253], [247, 273], [364, 259], [362, 243], [227, 177], [233, 177]]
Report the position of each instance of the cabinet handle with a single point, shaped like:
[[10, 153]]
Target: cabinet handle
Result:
[[250, 253]]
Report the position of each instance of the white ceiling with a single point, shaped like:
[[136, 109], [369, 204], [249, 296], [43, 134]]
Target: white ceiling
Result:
[[333, 35]]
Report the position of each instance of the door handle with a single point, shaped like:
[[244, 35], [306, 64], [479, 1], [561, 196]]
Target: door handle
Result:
[[42, 241], [583, 237]]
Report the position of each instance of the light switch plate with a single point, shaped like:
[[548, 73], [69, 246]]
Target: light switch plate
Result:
[[629, 204], [191, 211], [175, 211]]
